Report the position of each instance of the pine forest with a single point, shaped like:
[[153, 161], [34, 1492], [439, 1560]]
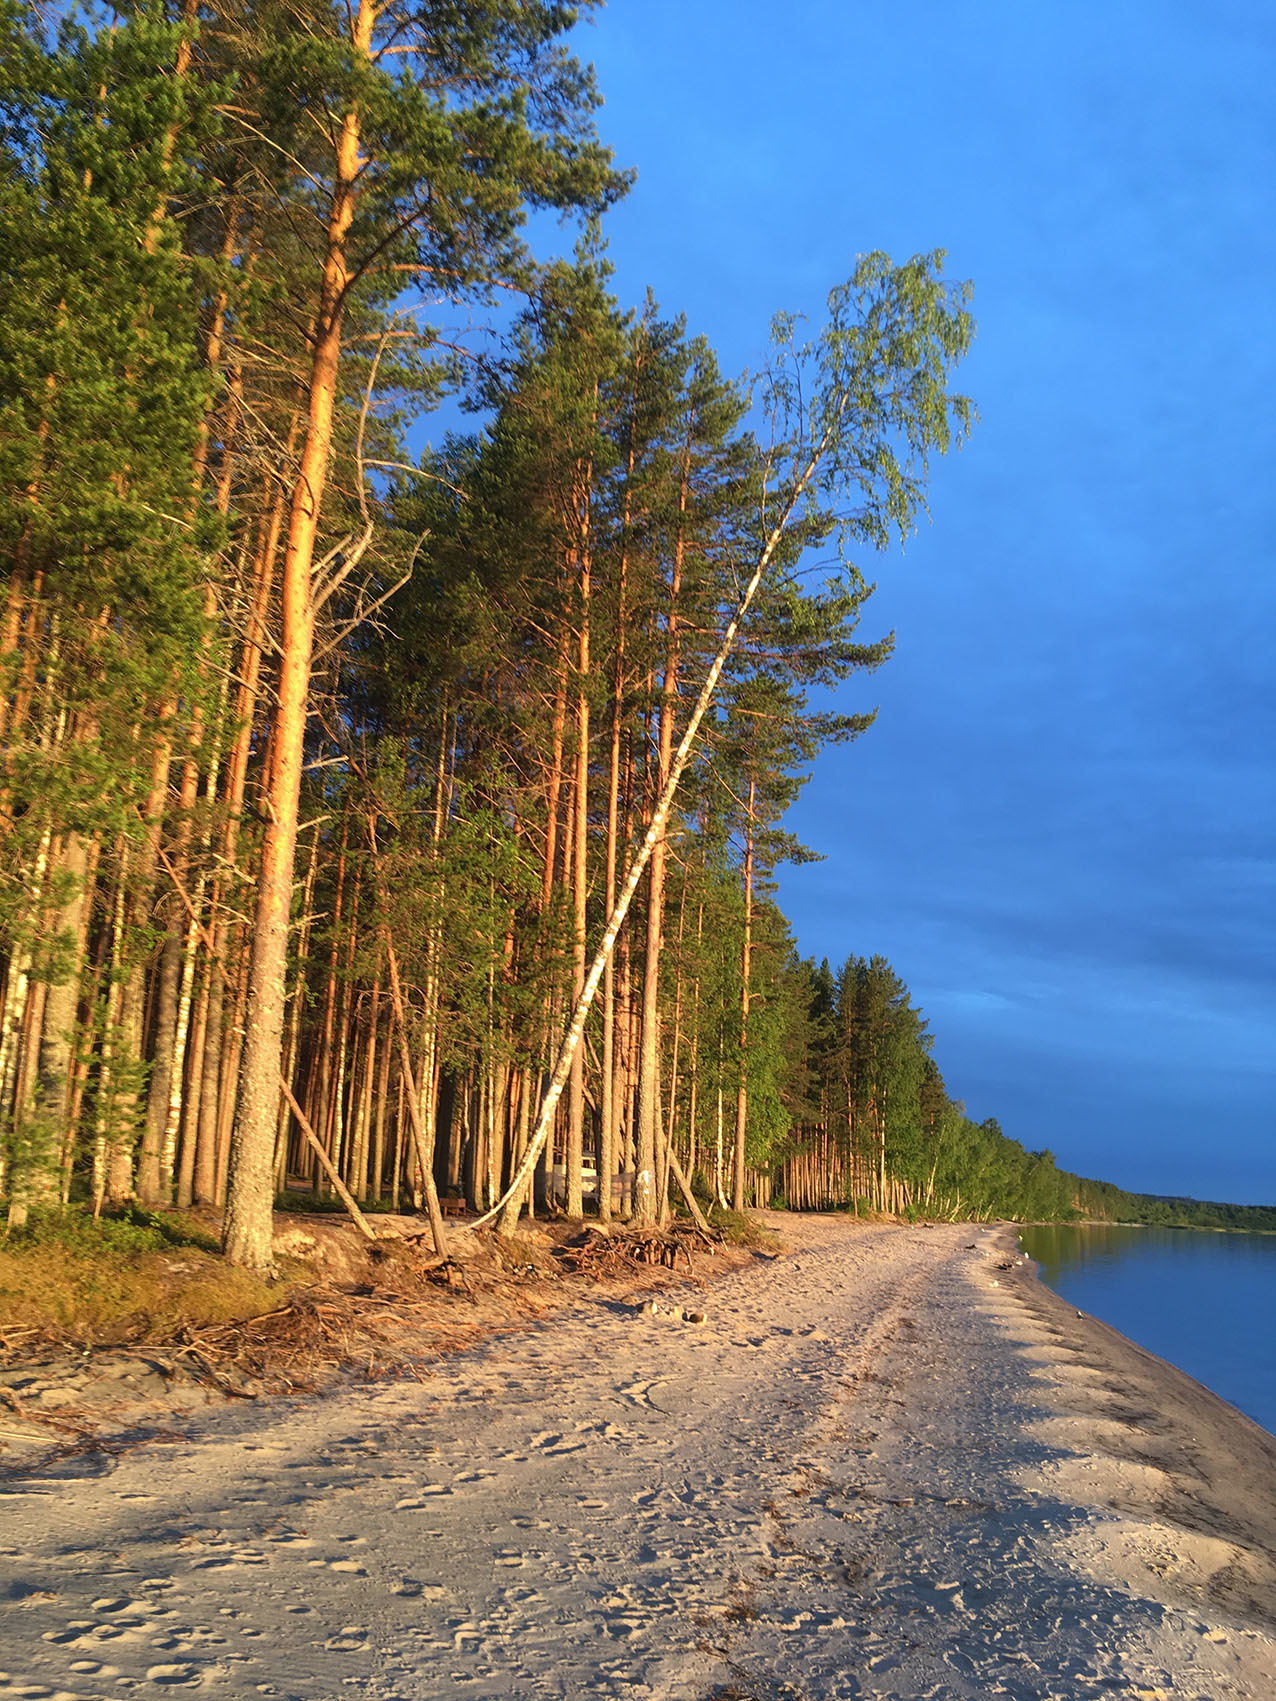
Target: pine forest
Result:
[[404, 826]]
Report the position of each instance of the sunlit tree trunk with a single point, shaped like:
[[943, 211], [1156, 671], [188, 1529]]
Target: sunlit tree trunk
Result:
[[647, 1181], [610, 1130], [746, 955], [580, 872], [667, 1153], [246, 1238], [34, 1177]]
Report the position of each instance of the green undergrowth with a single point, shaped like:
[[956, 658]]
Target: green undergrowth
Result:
[[131, 1229], [137, 1277]]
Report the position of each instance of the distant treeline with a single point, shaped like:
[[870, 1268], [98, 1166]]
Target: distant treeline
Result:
[[871, 1121], [1168, 1211], [871, 1124]]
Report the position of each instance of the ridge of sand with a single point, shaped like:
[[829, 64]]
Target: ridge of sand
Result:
[[886, 1467]]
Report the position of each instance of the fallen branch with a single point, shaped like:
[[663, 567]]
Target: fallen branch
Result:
[[343, 1192]]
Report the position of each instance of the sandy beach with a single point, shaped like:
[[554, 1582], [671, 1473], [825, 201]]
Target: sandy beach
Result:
[[888, 1464]]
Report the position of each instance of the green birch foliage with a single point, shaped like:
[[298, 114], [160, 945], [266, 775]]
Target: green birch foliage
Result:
[[871, 395]]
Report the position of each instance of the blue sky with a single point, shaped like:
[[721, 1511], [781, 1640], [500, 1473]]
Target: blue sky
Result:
[[1061, 829]]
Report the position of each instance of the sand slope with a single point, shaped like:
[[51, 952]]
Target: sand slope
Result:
[[883, 1467]]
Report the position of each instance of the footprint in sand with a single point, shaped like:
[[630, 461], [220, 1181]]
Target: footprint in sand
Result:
[[199, 1633], [352, 1640], [640, 1392], [84, 1633], [174, 1677], [423, 1498], [231, 1562]]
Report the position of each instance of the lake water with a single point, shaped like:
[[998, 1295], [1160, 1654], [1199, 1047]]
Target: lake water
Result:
[[1206, 1302]]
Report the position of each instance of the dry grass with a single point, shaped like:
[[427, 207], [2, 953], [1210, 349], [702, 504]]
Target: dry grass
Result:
[[133, 1280]]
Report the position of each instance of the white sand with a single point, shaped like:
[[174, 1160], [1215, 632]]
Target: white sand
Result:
[[872, 1472]]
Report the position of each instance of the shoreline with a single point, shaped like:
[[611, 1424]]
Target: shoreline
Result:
[[1110, 1329], [1168, 1450], [1194, 1298], [885, 1466]]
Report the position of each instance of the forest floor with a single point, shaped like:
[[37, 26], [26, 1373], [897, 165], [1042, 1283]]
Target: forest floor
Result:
[[890, 1464]]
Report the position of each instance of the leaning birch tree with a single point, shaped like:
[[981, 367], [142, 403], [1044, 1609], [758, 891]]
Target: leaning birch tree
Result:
[[855, 417]]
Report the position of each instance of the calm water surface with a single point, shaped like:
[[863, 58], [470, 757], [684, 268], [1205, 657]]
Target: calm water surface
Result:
[[1206, 1302]]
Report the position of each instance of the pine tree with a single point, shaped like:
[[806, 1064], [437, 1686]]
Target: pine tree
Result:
[[100, 403], [442, 130]]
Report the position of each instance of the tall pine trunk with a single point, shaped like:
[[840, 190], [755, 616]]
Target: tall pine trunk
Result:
[[580, 873], [647, 1181], [746, 953], [34, 1179], [246, 1237]]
